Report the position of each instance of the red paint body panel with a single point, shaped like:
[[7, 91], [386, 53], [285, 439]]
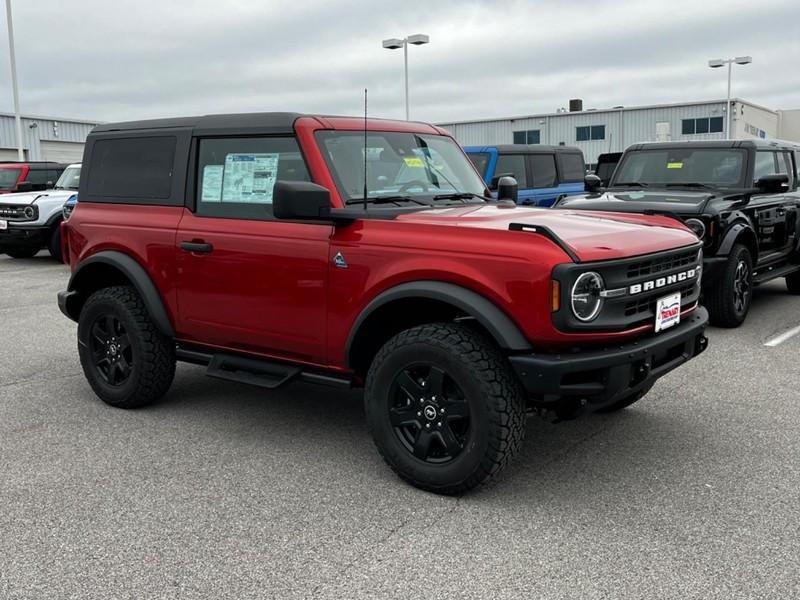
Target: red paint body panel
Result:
[[270, 288]]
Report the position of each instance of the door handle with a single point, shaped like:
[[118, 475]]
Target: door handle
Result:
[[199, 247]]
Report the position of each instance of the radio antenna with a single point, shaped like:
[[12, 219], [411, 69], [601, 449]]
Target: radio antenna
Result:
[[365, 149]]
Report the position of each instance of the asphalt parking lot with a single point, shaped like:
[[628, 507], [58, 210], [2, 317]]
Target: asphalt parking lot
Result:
[[225, 491]]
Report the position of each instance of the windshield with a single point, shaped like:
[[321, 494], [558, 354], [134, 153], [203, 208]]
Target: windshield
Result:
[[8, 178], [663, 167], [413, 166], [69, 179]]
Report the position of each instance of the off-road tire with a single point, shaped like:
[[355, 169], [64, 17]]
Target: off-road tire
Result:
[[22, 252], [494, 396], [624, 402], [54, 244], [153, 362], [793, 282], [720, 299]]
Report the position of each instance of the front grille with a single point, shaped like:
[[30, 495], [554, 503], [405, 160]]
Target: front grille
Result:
[[647, 306], [662, 264], [15, 212]]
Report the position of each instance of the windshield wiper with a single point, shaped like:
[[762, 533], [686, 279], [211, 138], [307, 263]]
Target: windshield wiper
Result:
[[458, 196], [692, 184], [631, 184], [387, 200]]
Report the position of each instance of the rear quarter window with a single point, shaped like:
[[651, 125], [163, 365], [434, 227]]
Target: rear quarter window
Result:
[[572, 167], [132, 168]]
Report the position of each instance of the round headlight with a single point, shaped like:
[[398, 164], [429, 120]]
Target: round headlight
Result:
[[697, 226], [585, 299], [29, 212]]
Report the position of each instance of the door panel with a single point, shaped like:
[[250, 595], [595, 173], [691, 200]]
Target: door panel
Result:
[[774, 215], [261, 287]]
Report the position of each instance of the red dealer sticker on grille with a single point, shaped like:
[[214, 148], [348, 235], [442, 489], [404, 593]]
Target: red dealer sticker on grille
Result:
[[668, 311]]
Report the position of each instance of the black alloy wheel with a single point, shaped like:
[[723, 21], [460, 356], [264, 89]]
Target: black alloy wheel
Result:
[[429, 413], [111, 350], [742, 288]]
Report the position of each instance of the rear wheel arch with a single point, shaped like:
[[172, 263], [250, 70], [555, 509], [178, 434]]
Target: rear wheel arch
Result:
[[417, 303], [111, 268]]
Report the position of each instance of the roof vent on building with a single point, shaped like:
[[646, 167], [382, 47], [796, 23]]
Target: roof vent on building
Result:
[[575, 105]]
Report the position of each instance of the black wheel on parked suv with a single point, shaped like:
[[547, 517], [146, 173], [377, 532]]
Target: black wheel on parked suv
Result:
[[729, 300], [54, 244], [444, 408], [126, 360], [793, 282], [23, 252]]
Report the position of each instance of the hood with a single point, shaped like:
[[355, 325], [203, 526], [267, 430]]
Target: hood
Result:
[[591, 235], [635, 201], [25, 198]]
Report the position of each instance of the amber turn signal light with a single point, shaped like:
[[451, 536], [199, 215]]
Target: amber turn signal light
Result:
[[555, 295]]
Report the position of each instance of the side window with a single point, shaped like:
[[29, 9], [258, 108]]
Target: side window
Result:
[[571, 166], [544, 170], [785, 167], [38, 177], [765, 165], [135, 168], [480, 160], [235, 176], [513, 164]]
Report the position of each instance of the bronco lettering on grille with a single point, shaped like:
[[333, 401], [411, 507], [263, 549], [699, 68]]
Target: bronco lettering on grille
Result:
[[654, 284]]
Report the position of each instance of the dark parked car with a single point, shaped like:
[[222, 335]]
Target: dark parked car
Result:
[[29, 176], [740, 197]]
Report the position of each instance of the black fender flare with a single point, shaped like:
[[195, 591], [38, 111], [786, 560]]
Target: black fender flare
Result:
[[730, 237], [487, 313], [137, 275]]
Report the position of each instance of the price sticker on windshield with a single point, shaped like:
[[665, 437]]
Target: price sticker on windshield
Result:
[[675, 165], [414, 162]]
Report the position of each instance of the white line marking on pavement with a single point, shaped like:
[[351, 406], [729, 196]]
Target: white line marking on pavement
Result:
[[779, 339]]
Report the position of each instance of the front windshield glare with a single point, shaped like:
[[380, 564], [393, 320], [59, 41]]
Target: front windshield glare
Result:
[[69, 179], [398, 164], [716, 167]]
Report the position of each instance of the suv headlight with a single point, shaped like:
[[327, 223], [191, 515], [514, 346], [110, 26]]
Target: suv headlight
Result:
[[29, 212], [697, 227], [585, 298]]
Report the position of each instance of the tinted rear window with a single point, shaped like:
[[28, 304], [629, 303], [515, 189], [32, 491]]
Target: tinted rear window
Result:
[[572, 167], [544, 170], [480, 160], [138, 167]]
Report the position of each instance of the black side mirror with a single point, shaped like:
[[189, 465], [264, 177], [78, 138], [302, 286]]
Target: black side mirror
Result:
[[773, 184], [592, 183], [24, 186], [300, 201], [496, 180], [507, 188]]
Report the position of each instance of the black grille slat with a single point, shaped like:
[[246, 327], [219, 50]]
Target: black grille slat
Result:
[[662, 264], [648, 305]]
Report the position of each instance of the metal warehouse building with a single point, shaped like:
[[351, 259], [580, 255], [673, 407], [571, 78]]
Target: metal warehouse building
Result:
[[44, 138], [614, 129]]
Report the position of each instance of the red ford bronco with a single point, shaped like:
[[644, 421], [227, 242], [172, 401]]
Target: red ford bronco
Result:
[[281, 247]]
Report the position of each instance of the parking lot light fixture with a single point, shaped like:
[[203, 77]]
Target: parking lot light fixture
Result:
[[418, 39], [14, 87], [716, 63]]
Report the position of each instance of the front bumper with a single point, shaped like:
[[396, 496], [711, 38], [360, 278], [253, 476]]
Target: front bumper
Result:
[[23, 235], [606, 375]]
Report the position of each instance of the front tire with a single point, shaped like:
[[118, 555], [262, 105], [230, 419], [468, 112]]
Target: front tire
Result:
[[54, 244], [793, 282], [126, 360], [24, 252], [729, 301], [444, 408]]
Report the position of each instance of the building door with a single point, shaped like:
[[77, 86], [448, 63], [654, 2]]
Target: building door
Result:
[[663, 132]]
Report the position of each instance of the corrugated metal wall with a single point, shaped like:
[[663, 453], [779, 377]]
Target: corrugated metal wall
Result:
[[35, 130], [623, 127]]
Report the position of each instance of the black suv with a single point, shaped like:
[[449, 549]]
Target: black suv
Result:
[[740, 197]]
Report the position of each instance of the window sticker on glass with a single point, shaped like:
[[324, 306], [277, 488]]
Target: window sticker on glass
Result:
[[249, 177], [212, 183], [414, 162], [674, 165]]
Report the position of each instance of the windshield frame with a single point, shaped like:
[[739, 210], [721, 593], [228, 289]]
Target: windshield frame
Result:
[[418, 200], [614, 183]]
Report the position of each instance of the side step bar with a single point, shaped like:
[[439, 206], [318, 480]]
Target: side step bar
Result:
[[770, 273], [254, 371]]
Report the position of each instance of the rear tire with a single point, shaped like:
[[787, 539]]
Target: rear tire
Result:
[[793, 283], [54, 244], [444, 408], [728, 302], [23, 252], [126, 360]]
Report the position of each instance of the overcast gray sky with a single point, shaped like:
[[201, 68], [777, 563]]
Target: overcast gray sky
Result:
[[122, 59]]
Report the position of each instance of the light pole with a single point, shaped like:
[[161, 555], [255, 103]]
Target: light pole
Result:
[[720, 62], [394, 43], [17, 118]]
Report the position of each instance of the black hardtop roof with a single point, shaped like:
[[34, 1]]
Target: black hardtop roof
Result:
[[757, 144], [269, 120], [534, 148], [49, 164]]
